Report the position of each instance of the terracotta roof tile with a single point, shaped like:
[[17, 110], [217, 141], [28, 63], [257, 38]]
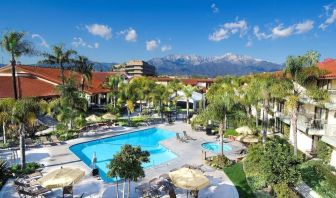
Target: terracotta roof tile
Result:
[[330, 66]]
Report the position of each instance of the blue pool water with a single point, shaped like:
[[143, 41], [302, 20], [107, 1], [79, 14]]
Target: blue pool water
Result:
[[105, 148], [215, 147]]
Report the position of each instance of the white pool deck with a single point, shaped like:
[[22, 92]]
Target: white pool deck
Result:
[[53, 157]]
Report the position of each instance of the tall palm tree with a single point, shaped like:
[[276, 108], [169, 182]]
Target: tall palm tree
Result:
[[174, 86], [112, 84], [24, 115], [159, 95], [188, 90], [59, 57], [84, 67], [128, 97], [6, 106], [15, 45], [220, 105], [303, 73]]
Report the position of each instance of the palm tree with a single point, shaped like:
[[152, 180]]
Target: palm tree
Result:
[[174, 86], [128, 97], [112, 84], [303, 73], [24, 115], [15, 45], [159, 96], [84, 67], [220, 105], [59, 57], [188, 91], [6, 106]]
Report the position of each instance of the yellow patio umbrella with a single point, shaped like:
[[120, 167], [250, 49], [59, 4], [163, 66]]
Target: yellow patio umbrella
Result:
[[92, 118], [109, 116], [62, 177], [189, 179]]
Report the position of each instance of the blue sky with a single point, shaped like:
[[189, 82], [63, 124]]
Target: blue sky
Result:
[[116, 31]]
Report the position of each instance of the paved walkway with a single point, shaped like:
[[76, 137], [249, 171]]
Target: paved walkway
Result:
[[188, 153]]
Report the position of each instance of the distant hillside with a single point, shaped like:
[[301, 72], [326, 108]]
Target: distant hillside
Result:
[[194, 65]]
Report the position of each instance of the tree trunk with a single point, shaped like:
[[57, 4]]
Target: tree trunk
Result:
[[123, 194], [129, 189], [13, 63], [22, 147], [140, 106], [62, 73], [4, 132], [265, 121], [188, 110], [83, 82], [129, 117], [257, 118], [221, 133], [293, 127], [117, 189], [161, 111]]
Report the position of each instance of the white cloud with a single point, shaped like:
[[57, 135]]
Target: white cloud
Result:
[[330, 20], [249, 43], [260, 35], [43, 41], [165, 48], [103, 31], [304, 27], [228, 29], [130, 34], [281, 32], [79, 42], [214, 8], [152, 45]]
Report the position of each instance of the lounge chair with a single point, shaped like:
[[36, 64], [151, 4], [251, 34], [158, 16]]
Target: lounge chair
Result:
[[186, 136], [179, 138], [55, 140], [29, 143], [45, 141], [164, 176]]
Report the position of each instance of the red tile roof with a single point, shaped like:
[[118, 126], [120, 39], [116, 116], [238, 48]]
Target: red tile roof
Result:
[[330, 66], [34, 87], [27, 87]]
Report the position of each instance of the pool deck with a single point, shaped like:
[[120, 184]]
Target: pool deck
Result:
[[53, 157]]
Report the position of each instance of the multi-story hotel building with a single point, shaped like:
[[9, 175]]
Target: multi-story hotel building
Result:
[[136, 68]]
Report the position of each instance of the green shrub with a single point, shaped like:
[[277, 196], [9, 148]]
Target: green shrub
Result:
[[3, 145], [286, 130], [30, 168], [230, 132], [219, 161], [319, 177], [3, 170], [323, 151], [282, 190]]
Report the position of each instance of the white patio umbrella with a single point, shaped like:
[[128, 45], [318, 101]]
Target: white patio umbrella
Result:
[[244, 130], [92, 118]]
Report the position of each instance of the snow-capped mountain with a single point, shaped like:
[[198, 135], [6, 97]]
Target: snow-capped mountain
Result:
[[211, 66]]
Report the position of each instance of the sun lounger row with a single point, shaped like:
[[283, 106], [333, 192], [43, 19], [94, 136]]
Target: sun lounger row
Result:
[[53, 140]]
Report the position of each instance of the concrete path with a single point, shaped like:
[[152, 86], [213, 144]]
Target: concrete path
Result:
[[188, 153]]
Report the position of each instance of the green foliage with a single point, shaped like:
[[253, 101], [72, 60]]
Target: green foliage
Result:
[[219, 161], [319, 177], [237, 176], [323, 151], [126, 164], [30, 168], [3, 145], [231, 132], [282, 190], [286, 129], [272, 164]]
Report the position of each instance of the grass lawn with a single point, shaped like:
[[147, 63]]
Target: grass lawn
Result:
[[237, 176]]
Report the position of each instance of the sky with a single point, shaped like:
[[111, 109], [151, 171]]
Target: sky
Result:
[[117, 31]]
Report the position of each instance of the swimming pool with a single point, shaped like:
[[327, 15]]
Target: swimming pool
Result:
[[105, 148], [215, 147]]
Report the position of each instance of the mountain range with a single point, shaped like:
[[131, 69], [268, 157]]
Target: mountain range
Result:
[[227, 64]]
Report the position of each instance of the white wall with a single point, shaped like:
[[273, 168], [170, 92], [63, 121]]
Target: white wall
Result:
[[333, 158], [304, 141]]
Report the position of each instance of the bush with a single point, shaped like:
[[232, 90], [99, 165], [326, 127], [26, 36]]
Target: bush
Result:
[[219, 161], [230, 132], [319, 177], [30, 168], [3, 145], [3, 172], [282, 190], [271, 164], [323, 151], [286, 129]]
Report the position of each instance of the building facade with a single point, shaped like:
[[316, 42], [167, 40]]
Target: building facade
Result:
[[136, 68]]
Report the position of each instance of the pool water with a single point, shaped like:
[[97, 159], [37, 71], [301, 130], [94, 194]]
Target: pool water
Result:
[[215, 147], [105, 148]]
